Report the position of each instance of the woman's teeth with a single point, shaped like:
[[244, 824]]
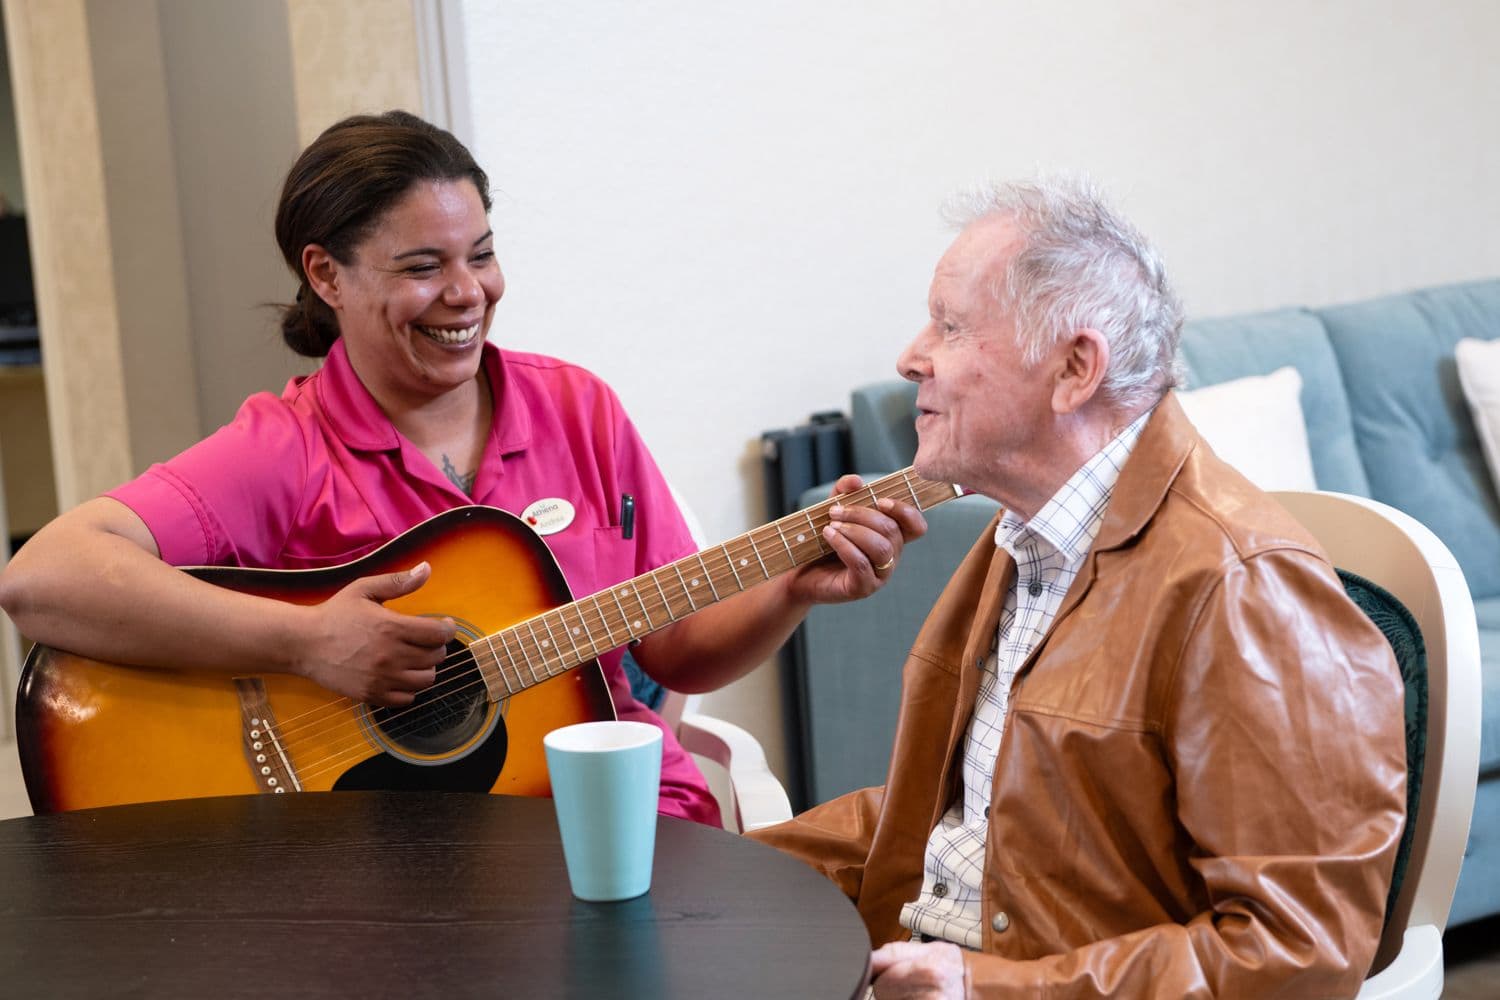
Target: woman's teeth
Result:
[[443, 336]]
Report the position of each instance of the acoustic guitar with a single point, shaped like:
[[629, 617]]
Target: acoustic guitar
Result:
[[93, 733]]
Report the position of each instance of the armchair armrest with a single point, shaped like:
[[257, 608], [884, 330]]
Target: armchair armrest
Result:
[[759, 799], [1416, 973]]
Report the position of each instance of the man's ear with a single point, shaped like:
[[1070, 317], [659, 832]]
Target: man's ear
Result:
[[323, 274], [1083, 365]]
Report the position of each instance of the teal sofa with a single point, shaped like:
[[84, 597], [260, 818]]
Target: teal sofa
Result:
[[1385, 418]]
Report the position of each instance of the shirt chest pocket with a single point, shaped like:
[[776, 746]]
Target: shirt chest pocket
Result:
[[592, 559]]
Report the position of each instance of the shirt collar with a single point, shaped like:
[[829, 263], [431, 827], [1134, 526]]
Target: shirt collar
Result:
[[1069, 521], [361, 424]]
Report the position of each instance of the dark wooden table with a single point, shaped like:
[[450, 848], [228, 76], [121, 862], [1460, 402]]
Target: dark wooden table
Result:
[[375, 894]]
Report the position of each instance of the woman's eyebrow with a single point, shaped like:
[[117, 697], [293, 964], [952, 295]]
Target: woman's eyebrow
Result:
[[435, 251]]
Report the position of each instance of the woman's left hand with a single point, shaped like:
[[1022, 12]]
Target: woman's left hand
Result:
[[867, 542]]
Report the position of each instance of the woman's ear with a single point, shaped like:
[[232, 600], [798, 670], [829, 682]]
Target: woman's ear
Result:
[[323, 274]]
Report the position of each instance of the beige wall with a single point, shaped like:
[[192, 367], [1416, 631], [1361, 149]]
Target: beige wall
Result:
[[227, 67], [167, 129], [145, 252], [67, 210], [154, 135], [351, 57]]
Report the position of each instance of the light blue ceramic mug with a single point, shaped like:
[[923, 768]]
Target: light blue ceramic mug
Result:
[[605, 780]]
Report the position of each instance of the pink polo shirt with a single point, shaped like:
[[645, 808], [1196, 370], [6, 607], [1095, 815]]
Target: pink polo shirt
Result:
[[319, 476]]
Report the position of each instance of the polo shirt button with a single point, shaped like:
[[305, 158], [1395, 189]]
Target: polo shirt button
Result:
[[1000, 922], [1034, 588], [940, 890]]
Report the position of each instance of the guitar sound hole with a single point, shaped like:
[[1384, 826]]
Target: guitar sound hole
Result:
[[446, 715]]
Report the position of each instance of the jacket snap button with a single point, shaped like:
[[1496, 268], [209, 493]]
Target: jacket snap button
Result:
[[1000, 922]]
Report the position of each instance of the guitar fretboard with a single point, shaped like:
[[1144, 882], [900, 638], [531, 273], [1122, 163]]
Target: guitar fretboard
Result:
[[555, 641]]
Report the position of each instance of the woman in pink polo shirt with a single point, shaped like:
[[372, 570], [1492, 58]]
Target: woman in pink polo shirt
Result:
[[383, 220]]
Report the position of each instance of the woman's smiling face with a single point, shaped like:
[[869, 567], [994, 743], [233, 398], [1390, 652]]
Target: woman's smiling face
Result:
[[415, 303]]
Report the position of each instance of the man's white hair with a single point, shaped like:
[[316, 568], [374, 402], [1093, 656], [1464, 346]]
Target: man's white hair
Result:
[[1079, 264]]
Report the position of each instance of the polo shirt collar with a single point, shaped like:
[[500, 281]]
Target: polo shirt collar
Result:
[[361, 424], [511, 430]]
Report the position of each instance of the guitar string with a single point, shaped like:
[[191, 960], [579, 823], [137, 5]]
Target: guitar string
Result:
[[359, 744], [463, 665], [289, 728], [291, 734]]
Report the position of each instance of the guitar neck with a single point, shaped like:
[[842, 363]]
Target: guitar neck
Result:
[[555, 641]]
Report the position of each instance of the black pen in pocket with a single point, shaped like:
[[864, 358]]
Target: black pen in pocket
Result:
[[627, 516]]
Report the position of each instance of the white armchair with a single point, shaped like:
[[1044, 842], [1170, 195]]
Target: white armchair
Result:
[[1393, 550], [754, 798]]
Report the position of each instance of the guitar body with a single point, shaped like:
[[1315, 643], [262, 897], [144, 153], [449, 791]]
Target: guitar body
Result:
[[94, 733]]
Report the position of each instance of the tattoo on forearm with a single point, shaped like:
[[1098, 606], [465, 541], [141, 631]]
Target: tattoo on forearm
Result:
[[463, 482]]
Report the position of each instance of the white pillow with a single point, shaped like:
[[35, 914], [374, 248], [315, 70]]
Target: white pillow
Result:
[[1255, 424], [1479, 374]]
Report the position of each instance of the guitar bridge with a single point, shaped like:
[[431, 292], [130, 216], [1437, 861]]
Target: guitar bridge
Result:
[[269, 764]]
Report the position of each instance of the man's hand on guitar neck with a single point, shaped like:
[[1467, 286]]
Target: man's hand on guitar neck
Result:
[[867, 543], [359, 648]]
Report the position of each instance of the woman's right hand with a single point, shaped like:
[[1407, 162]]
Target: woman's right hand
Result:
[[363, 650]]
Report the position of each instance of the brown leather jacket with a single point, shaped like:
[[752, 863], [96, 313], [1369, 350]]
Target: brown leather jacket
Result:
[[1200, 788]]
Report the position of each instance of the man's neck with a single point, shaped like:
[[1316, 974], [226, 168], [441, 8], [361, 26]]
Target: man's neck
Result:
[[1080, 436]]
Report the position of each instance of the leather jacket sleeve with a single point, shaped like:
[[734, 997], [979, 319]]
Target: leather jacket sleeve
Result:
[[833, 838]]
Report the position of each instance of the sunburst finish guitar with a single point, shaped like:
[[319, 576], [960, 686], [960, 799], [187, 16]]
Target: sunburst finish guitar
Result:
[[93, 733]]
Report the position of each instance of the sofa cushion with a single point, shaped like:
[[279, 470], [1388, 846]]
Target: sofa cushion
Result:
[[1255, 424], [1411, 423], [1217, 350], [1479, 376]]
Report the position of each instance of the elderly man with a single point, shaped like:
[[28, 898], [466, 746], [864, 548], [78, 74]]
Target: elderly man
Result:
[[1146, 745]]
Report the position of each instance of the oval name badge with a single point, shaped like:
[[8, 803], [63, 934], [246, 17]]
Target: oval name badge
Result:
[[549, 515]]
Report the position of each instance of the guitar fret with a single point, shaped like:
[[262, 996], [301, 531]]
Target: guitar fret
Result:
[[645, 611], [817, 533], [609, 632], [729, 561], [709, 577], [624, 618], [527, 657], [782, 535], [540, 645], [552, 638], [539, 652], [571, 632], [514, 665], [686, 590], [756, 549], [489, 684], [664, 601], [906, 479], [583, 619]]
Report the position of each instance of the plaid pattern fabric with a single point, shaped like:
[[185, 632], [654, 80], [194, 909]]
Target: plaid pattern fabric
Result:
[[1048, 550]]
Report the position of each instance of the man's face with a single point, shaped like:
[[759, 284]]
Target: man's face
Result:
[[983, 418]]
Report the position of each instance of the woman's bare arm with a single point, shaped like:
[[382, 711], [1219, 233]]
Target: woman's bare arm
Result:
[[92, 582]]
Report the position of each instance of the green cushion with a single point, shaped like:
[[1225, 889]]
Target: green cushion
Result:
[[1401, 631]]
